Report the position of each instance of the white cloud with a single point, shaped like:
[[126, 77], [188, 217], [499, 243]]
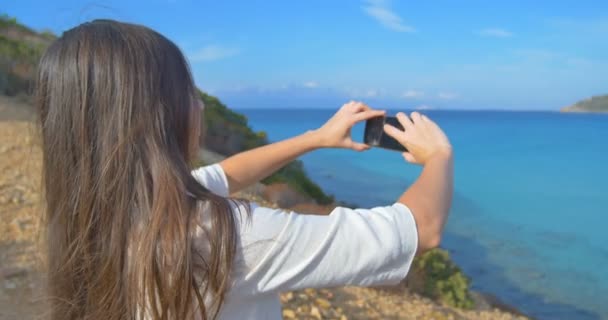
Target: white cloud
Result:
[[363, 93], [311, 84], [413, 94], [381, 11], [212, 53], [447, 95], [371, 93], [424, 107], [495, 32]]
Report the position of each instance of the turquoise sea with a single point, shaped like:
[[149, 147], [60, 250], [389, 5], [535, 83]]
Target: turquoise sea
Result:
[[529, 222]]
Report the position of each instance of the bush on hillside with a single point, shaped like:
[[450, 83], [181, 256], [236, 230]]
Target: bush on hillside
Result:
[[20, 50], [440, 279]]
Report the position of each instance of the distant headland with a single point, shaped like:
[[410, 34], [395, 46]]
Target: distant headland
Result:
[[593, 104]]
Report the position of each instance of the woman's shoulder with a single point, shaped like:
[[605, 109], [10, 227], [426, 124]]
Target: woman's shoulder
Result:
[[213, 178]]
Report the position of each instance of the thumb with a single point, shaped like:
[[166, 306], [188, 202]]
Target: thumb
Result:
[[359, 146], [409, 157]]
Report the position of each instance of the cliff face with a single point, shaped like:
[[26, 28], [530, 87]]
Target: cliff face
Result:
[[593, 104], [227, 132]]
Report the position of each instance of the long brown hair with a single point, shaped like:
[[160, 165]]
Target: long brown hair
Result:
[[120, 123]]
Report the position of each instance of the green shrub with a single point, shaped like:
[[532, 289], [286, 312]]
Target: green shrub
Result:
[[443, 280], [20, 51], [7, 21]]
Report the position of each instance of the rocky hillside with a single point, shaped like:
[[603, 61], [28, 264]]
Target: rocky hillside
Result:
[[593, 104]]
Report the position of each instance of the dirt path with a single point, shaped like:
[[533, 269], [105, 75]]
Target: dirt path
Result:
[[20, 282]]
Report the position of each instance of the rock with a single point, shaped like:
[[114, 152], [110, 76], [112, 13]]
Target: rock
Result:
[[310, 292], [314, 311], [328, 294], [9, 285], [323, 303], [287, 313], [286, 297]]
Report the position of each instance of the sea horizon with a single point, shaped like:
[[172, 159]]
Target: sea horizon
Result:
[[244, 109]]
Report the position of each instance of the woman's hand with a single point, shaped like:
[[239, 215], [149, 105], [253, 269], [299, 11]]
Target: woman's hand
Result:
[[335, 133], [422, 137]]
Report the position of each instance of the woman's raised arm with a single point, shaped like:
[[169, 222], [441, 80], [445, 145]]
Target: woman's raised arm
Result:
[[248, 167], [430, 197]]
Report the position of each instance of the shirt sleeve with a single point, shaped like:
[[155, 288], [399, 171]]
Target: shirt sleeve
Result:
[[213, 178], [282, 251]]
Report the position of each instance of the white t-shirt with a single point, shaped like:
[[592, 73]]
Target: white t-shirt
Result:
[[280, 251]]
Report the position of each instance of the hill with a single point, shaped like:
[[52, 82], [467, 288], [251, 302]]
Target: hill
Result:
[[593, 104]]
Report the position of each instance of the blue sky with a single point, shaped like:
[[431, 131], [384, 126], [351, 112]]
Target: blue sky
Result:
[[391, 54]]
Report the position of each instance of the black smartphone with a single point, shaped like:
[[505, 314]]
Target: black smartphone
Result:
[[374, 133]]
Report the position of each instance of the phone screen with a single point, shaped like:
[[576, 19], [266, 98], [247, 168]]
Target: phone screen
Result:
[[374, 133]]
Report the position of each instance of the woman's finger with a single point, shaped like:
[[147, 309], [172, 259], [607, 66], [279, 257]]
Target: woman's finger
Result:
[[352, 106], [416, 118], [359, 146], [404, 120], [368, 114], [348, 106], [409, 157], [429, 122], [360, 106], [395, 133]]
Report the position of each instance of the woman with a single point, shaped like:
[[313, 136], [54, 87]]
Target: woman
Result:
[[135, 233]]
